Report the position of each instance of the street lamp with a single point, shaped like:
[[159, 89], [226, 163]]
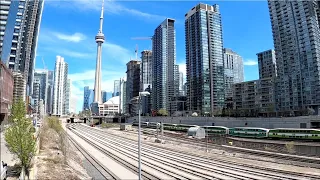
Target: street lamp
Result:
[[145, 93]]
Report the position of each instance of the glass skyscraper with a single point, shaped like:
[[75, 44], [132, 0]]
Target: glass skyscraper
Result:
[[50, 92], [146, 69], [267, 64], [42, 76], [164, 58], [19, 31], [233, 70], [116, 88], [296, 36], [60, 96], [146, 80], [204, 60], [11, 17], [87, 98], [104, 96], [181, 84]]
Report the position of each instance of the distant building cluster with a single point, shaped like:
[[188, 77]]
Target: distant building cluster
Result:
[[289, 77], [288, 84], [19, 30]]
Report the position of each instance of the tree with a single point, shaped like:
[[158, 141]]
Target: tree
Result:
[[18, 110], [311, 111], [163, 112], [19, 135]]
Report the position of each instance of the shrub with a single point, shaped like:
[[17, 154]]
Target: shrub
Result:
[[290, 147], [55, 124]]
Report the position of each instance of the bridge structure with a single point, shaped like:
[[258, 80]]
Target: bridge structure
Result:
[[106, 119]]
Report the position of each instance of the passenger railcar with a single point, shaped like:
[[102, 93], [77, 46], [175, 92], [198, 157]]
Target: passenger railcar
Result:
[[184, 127], [216, 130], [143, 124], [135, 123], [153, 125], [248, 132], [170, 127], [291, 133]]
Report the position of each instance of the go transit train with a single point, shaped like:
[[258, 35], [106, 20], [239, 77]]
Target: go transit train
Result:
[[245, 132]]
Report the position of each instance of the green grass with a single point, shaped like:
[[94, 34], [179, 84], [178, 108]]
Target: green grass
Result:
[[55, 124]]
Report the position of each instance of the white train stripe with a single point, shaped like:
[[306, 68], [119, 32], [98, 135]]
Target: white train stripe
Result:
[[291, 134]]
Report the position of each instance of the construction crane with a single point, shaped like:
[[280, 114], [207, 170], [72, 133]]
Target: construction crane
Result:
[[136, 51], [44, 65], [143, 38]]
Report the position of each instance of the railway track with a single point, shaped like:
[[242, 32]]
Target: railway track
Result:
[[189, 163], [285, 158], [131, 165], [104, 171]]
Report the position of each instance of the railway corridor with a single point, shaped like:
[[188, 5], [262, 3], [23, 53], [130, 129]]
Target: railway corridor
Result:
[[120, 156]]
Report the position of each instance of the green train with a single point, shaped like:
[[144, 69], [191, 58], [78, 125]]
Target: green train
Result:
[[249, 132], [290, 133], [245, 132], [216, 130]]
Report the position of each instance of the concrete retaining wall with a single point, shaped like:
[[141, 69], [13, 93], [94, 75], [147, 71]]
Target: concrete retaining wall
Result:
[[304, 149], [270, 123]]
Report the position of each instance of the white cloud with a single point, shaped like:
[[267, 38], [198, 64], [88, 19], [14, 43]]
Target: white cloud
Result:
[[47, 35], [250, 62], [59, 43], [110, 6], [69, 53], [76, 37], [117, 52], [76, 54], [117, 8]]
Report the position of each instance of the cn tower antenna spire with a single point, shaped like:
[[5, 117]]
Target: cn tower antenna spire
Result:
[[101, 17]]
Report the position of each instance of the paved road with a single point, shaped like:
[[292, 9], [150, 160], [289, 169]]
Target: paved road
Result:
[[6, 156]]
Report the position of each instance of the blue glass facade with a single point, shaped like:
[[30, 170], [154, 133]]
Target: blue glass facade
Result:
[[106, 96], [8, 34], [164, 57], [296, 36], [204, 60], [233, 70], [88, 96]]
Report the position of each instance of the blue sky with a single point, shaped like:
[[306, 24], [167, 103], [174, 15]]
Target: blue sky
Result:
[[68, 29]]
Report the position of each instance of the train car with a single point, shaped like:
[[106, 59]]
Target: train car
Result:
[[170, 127], [143, 124], [184, 127], [249, 132], [216, 130], [153, 125], [291, 133]]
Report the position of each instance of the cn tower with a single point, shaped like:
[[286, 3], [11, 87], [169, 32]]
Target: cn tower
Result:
[[99, 40]]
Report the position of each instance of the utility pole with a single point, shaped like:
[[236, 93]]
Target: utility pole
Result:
[[162, 140], [206, 132]]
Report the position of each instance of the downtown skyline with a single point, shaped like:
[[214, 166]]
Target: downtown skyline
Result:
[[77, 44]]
